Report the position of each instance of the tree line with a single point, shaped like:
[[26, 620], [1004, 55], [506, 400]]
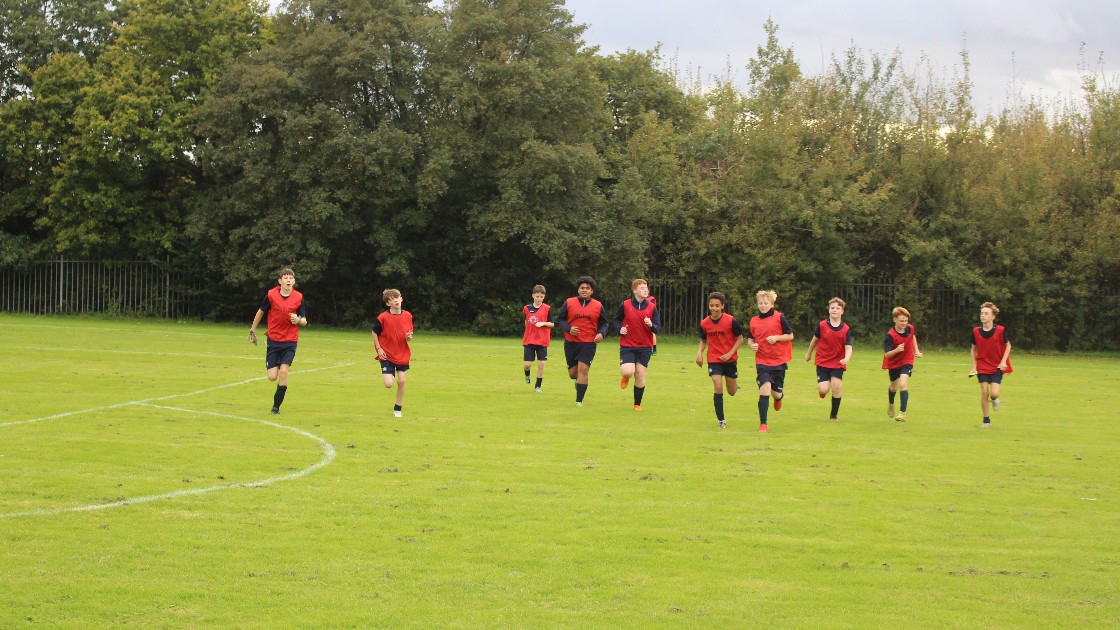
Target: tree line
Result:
[[468, 151]]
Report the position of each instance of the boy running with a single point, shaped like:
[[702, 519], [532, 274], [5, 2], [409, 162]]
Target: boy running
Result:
[[637, 322], [392, 330], [286, 313], [722, 334], [833, 343], [537, 335], [991, 358], [584, 322], [771, 338], [900, 348]]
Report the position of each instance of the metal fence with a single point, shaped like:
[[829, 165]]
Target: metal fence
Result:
[[62, 286]]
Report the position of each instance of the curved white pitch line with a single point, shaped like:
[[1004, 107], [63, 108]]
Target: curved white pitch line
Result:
[[328, 455]]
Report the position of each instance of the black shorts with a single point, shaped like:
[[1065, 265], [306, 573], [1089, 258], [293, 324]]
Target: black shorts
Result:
[[996, 378], [390, 368], [533, 351], [727, 370], [279, 353], [629, 354], [579, 352], [775, 375], [895, 373], [827, 374]]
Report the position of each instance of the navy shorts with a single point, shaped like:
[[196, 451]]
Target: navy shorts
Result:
[[388, 367], [727, 370], [996, 378], [628, 354], [776, 376], [895, 373], [579, 352], [533, 351], [279, 353], [827, 374]]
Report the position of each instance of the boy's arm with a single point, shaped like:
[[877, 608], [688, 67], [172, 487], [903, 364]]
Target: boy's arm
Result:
[[972, 355], [604, 323], [917, 352], [847, 354], [561, 318], [656, 319], [812, 347], [735, 346], [1006, 356], [618, 315], [253, 326], [700, 351]]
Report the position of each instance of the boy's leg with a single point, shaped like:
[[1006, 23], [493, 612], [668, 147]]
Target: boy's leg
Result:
[[837, 386], [639, 384], [993, 394], [985, 391], [627, 370], [401, 379], [717, 398]]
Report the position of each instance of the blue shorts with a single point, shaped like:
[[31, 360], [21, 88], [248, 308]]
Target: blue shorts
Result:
[[996, 378], [727, 370], [773, 374], [579, 352], [827, 374], [388, 367], [279, 353], [628, 354], [533, 351], [895, 373]]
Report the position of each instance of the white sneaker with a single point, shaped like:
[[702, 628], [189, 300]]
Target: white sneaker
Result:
[[890, 411], [396, 413], [995, 404], [579, 404], [538, 390]]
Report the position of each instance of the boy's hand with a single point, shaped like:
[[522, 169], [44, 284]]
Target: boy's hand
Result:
[[700, 359], [253, 337], [293, 317], [408, 336], [972, 373]]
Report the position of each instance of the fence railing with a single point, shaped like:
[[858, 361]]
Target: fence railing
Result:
[[62, 286]]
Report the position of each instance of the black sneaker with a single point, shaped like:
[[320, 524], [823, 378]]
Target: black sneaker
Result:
[[275, 411]]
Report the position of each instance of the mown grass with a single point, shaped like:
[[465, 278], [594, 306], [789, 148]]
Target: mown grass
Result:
[[488, 505]]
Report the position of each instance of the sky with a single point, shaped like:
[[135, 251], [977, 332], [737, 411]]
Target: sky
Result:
[[1017, 49]]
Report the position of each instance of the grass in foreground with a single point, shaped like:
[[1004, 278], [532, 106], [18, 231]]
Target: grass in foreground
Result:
[[490, 505]]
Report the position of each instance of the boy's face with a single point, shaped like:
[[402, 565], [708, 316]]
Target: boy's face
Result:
[[835, 310], [715, 307], [394, 302], [287, 281], [538, 298], [987, 316], [765, 303], [641, 292], [900, 321], [584, 290]]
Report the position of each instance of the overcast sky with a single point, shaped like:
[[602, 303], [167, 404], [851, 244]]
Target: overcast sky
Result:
[[1037, 46]]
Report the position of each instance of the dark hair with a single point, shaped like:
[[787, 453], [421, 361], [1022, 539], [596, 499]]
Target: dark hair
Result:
[[716, 295], [585, 280]]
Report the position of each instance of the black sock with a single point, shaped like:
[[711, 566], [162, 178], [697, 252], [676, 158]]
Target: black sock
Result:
[[278, 397], [835, 407], [890, 396], [581, 390], [763, 406], [904, 397], [717, 400], [527, 373], [638, 393], [540, 379], [396, 408], [987, 420]]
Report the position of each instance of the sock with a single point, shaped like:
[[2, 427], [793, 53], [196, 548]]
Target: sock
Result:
[[890, 396], [526, 374], [581, 390], [987, 420], [396, 408], [763, 406], [717, 400], [835, 408], [904, 397], [540, 379], [638, 393], [278, 397]]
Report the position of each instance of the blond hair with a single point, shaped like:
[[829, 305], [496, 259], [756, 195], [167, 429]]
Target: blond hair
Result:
[[995, 309], [770, 294], [837, 300], [390, 293]]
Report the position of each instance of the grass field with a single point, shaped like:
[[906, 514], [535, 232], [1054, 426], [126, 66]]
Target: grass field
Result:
[[143, 483]]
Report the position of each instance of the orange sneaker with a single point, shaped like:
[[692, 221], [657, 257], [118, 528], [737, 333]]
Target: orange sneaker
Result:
[[637, 407], [822, 394], [778, 403], [624, 382], [762, 429]]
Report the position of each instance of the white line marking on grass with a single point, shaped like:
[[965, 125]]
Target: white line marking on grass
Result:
[[329, 452], [328, 456]]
